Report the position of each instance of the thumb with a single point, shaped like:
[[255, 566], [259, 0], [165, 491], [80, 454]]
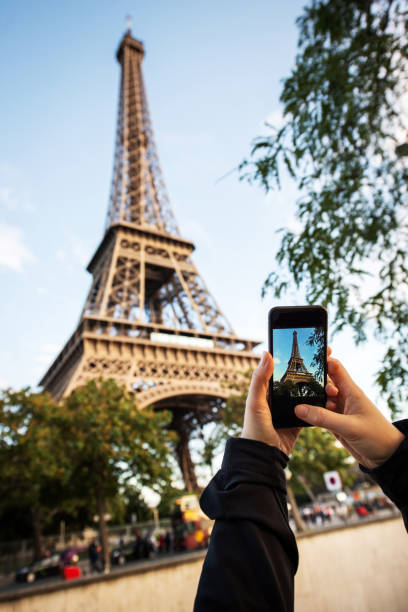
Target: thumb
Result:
[[321, 417], [341, 377], [260, 379]]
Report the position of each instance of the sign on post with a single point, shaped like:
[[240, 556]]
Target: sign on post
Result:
[[332, 481]]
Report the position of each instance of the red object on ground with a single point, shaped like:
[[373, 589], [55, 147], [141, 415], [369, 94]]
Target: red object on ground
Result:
[[71, 572], [361, 511]]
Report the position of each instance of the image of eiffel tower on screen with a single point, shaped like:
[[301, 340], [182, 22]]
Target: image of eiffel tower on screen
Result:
[[299, 362]]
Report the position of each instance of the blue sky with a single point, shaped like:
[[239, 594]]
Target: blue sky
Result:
[[282, 349], [213, 72]]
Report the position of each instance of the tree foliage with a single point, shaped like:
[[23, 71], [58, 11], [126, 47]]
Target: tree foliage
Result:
[[110, 442], [344, 142], [168, 496], [94, 450], [317, 341], [132, 506], [316, 452], [311, 388], [34, 475]]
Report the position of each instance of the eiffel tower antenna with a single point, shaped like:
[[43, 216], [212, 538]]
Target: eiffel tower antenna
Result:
[[296, 371], [129, 23], [149, 320]]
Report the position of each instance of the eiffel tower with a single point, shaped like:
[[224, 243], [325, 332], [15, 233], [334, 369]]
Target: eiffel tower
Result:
[[149, 320], [296, 371]]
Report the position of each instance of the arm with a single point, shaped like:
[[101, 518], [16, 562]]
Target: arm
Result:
[[252, 557], [380, 447], [392, 475]]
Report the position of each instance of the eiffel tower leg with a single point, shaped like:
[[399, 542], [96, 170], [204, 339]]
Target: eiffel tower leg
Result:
[[183, 453]]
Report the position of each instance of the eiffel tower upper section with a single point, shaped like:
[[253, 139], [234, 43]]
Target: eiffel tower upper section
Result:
[[138, 191], [296, 370], [145, 287], [147, 297]]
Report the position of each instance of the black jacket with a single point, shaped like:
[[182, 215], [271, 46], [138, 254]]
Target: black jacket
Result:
[[253, 557], [392, 476]]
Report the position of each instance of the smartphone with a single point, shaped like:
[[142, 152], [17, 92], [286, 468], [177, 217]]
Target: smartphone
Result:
[[298, 344]]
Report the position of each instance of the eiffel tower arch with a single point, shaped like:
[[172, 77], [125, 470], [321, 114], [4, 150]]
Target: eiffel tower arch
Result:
[[149, 320]]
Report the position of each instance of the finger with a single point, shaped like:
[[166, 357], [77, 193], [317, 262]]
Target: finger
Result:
[[331, 405], [315, 415], [329, 351], [341, 378], [260, 379], [331, 390]]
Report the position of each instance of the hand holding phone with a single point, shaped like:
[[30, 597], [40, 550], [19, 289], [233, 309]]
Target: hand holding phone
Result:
[[354, 420], [298, 344], [258, 420]]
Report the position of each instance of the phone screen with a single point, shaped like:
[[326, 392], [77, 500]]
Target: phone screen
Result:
[[299, 355]]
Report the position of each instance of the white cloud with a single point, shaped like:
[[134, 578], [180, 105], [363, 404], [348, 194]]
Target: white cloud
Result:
[[4, 384], [6, 198], [13, 201], [13, 193], [13, 251]]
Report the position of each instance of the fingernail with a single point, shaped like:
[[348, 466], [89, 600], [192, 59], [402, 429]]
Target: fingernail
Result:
[[301, 411], [264, 359]]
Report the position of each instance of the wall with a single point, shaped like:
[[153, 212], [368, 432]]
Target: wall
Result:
[[358, 568], [362, 568]]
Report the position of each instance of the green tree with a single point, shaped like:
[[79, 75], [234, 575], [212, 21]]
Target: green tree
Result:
[[316, 452], [303, 389], [110, 442], [33, 476], [344, 142], [168, 497]]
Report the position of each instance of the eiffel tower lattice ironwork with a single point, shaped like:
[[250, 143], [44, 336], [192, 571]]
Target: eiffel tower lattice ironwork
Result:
[[149, 320], [296, 371]]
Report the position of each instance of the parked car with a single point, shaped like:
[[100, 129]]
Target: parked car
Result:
[[135, 550], [50, 565]]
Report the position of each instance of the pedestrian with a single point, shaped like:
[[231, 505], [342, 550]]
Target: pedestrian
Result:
[[94, 554], [168, 539]]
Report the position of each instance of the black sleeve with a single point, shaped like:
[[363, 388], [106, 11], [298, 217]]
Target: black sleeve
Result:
[[252, 557], [392, 476]]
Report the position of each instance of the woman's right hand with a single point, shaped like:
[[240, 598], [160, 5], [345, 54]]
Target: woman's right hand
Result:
[[353, 419]]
